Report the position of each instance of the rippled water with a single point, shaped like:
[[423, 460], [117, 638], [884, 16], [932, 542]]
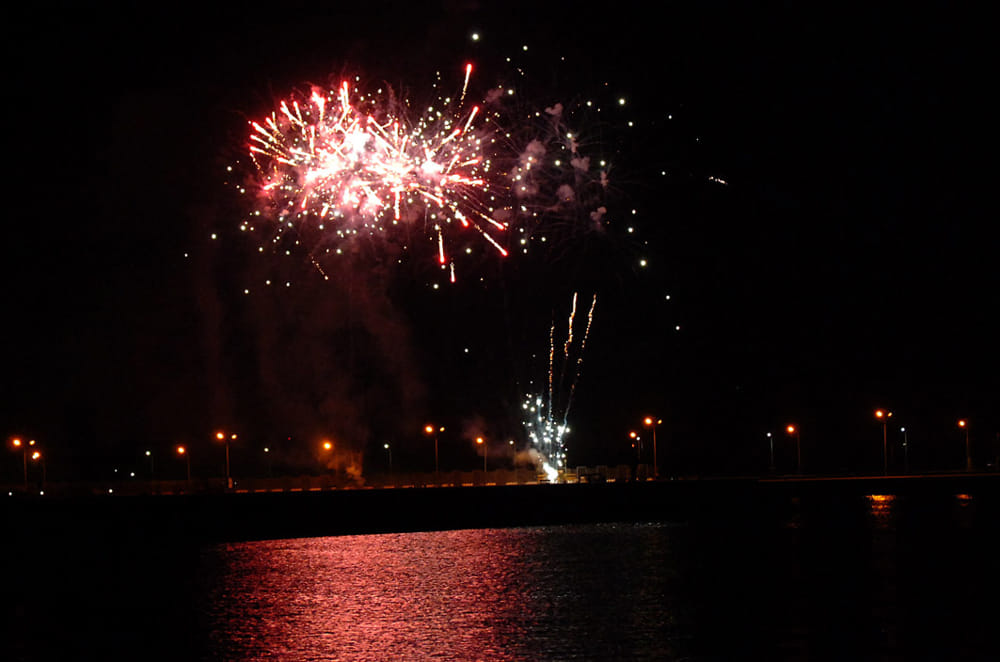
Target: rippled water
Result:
[[556, 592], [878, 577]]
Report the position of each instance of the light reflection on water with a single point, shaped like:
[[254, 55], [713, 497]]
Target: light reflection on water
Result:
[[881, 509], [590, 592], [824, 576], [880, 576]]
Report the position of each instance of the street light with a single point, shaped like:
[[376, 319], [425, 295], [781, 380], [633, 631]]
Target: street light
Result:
[[325, 450], [884, 416], [794, 431], [964, 424], [149, 454], [651, 422], [183, 452], [433, 430], [482, 442], [770, 443], [17, 443], [221, 436], [37, 455], [906, 452], [389, 452]]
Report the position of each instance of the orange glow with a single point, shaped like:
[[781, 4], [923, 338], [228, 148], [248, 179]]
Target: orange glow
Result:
[[879, 413], [181, 450], [429, 429], [881, 498], [479, 440], [220, 435], [17, 443], [791, 429], [35, 455], [633, 435], [327, 445], [647, 421], [962, 423]]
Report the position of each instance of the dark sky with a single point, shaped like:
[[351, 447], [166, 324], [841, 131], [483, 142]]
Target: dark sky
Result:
[[847, 263]]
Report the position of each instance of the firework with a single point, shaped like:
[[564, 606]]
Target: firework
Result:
[[346, 162], [546, 416], [333, 165]]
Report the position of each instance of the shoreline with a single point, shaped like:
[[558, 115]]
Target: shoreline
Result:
[[235, 516]]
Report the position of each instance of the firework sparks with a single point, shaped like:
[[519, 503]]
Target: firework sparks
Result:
[[546, 418], [354, 162], [347, 162]]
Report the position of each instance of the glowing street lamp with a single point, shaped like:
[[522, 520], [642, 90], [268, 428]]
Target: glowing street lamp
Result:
[[964, 424], [482, 442], [770, 443], [221, 436], [793, 430], [38, 457], [433, 430], [389, 453], [17, 443], [651, 422], [149, 454], [182, 451], [884, 416], [906, 452]]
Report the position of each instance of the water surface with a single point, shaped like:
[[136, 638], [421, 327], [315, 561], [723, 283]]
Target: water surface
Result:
[[881, 576]]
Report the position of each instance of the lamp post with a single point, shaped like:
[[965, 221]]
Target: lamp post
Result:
[[884, 416], [389, 453], [325, 447], [906, 452], [267, 454], [651, 422], [770, 444], [183, 452], [17, 443], [433, 430], [221, 436], [149, 454], [964, 424], [793, 430], [38, 457], [327, 460], [482, 442]]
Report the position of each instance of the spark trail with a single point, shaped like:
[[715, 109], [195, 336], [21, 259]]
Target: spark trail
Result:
[[546, 416]]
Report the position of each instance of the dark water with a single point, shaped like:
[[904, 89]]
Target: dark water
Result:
[[882, 577]]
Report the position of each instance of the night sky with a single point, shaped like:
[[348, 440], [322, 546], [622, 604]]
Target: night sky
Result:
[[810, 190]]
